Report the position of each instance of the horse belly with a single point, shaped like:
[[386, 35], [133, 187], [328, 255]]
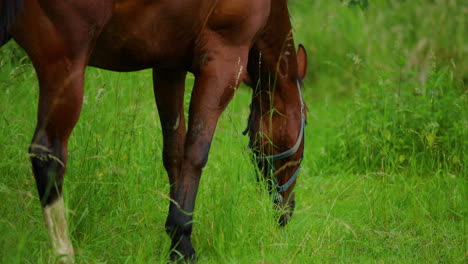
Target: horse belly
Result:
[[130, 55], [143, 35]]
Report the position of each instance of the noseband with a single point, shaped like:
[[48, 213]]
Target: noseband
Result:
[[286, 154]]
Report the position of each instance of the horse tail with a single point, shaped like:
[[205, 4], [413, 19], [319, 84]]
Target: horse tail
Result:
[[9, 10]]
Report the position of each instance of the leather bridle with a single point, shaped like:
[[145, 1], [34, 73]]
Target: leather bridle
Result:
[[278, 189]]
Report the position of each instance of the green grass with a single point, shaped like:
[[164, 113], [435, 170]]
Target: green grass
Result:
[[384, 178]]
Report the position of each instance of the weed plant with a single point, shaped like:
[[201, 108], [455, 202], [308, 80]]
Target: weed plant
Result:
[[395, 125]]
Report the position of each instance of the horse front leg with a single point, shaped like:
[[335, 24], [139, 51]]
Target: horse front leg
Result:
[[215, 83]]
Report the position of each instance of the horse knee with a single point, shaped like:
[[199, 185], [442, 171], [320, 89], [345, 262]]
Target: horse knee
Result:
[[198, 157]]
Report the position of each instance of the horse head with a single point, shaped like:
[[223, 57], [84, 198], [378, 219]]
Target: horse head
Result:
[[277, 123]]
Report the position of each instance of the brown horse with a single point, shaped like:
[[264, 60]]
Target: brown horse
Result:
[[223, 43]]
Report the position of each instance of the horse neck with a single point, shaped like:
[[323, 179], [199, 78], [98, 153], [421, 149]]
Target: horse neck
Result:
[[275, 65]]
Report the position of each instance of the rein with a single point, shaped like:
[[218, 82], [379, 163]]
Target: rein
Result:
[[286, 154]]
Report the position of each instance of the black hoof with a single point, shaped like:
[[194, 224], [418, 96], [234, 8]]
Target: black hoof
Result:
[[183, 252]]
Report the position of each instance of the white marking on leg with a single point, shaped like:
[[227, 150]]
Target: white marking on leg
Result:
[[177, 122], [56, 224], [241, 67]]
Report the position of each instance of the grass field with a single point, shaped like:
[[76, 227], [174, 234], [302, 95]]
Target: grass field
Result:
[[384, 178]]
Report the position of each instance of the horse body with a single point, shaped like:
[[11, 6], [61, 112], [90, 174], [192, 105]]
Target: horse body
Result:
[[144, 34], [221, 42]]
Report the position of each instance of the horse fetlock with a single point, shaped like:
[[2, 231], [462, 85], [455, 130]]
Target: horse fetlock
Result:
[[57, 228], [180, 232], [179, 226]]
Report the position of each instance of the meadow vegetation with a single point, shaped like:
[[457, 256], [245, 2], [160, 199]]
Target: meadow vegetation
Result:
[[384, 178]]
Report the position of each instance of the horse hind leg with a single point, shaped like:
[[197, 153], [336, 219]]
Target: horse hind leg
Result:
[[59, 48], [60, 100], [169, 87]]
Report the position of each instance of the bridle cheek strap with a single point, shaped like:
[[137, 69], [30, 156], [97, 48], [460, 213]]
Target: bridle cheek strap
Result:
[[284, 187], [288, 153]]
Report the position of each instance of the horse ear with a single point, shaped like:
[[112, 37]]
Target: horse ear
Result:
[[301, 61]]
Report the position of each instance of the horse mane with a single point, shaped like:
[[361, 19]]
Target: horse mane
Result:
[[9, 10]]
